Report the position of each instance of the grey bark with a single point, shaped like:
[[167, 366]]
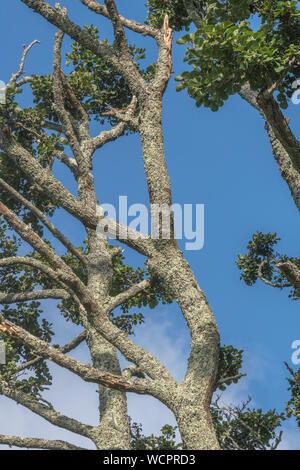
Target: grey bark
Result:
[[189, 400], [284, 146]]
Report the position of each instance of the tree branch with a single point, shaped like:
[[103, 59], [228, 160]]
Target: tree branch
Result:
[[136, 240], [27, 261], [76, 103], [17, 75], [287, 168], [36, 443], [228, 379], [12, 298], [63, 272], [45, 221], [126, 115], [280, 127], [129, 293], [133, 25], [33, 404], [292, 273], [130, 72], [119, 33], [23, 81], [65, 349], [59, 106], [53, 126], [34, 240], [46, 181], [68, 161], [266, 281], [164, 62], [86, 372]]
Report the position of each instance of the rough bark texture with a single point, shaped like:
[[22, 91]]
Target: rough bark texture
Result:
[[284, 145], [190, 399]]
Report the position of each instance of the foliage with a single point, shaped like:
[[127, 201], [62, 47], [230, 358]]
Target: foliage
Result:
[[261, 250], [242, 428], [28, 315], [293, 405], [230, 363], [238, 428], [166, 441], [176, 10], [225, 44], [237, 42], [98, 85]]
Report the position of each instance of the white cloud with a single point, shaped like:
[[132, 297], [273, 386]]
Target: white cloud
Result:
[[290, 437], [79, 400]]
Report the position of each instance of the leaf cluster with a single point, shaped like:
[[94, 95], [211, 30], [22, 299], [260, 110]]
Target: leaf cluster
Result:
[[261, 250], [236, 42]]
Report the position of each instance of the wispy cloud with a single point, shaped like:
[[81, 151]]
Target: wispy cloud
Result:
[[79, 400]]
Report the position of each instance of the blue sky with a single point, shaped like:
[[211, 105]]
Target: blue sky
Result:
[[222, 160]]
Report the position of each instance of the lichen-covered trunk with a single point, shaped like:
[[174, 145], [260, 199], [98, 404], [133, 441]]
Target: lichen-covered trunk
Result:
[[196, 428], [192, 405], [285, 159], [113, 431]]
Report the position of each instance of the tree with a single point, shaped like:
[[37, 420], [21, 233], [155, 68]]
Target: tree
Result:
[[93, 280], [65, 278], [251, 48]]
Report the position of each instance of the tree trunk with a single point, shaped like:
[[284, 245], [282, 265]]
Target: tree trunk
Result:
[[113, 431], [196, 428]]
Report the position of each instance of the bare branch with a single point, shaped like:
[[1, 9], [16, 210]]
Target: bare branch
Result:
[[108, 136], [138, 241], [129, 293], [33, 239], [17, 75], [65, 349], [45, 221], [68, 161], [46, 181], [23, 81], [27, 261], [133, 371], [287, 168], [228, 379], [77, 104], [126, 116], [130, 72], [63, 272], [86, 372], [12, 298], [119, 33], [135, 26], [164, 63], [266, 281], [59, 106], [292, 273], [53, 126], [33, 404], [36, 443]]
